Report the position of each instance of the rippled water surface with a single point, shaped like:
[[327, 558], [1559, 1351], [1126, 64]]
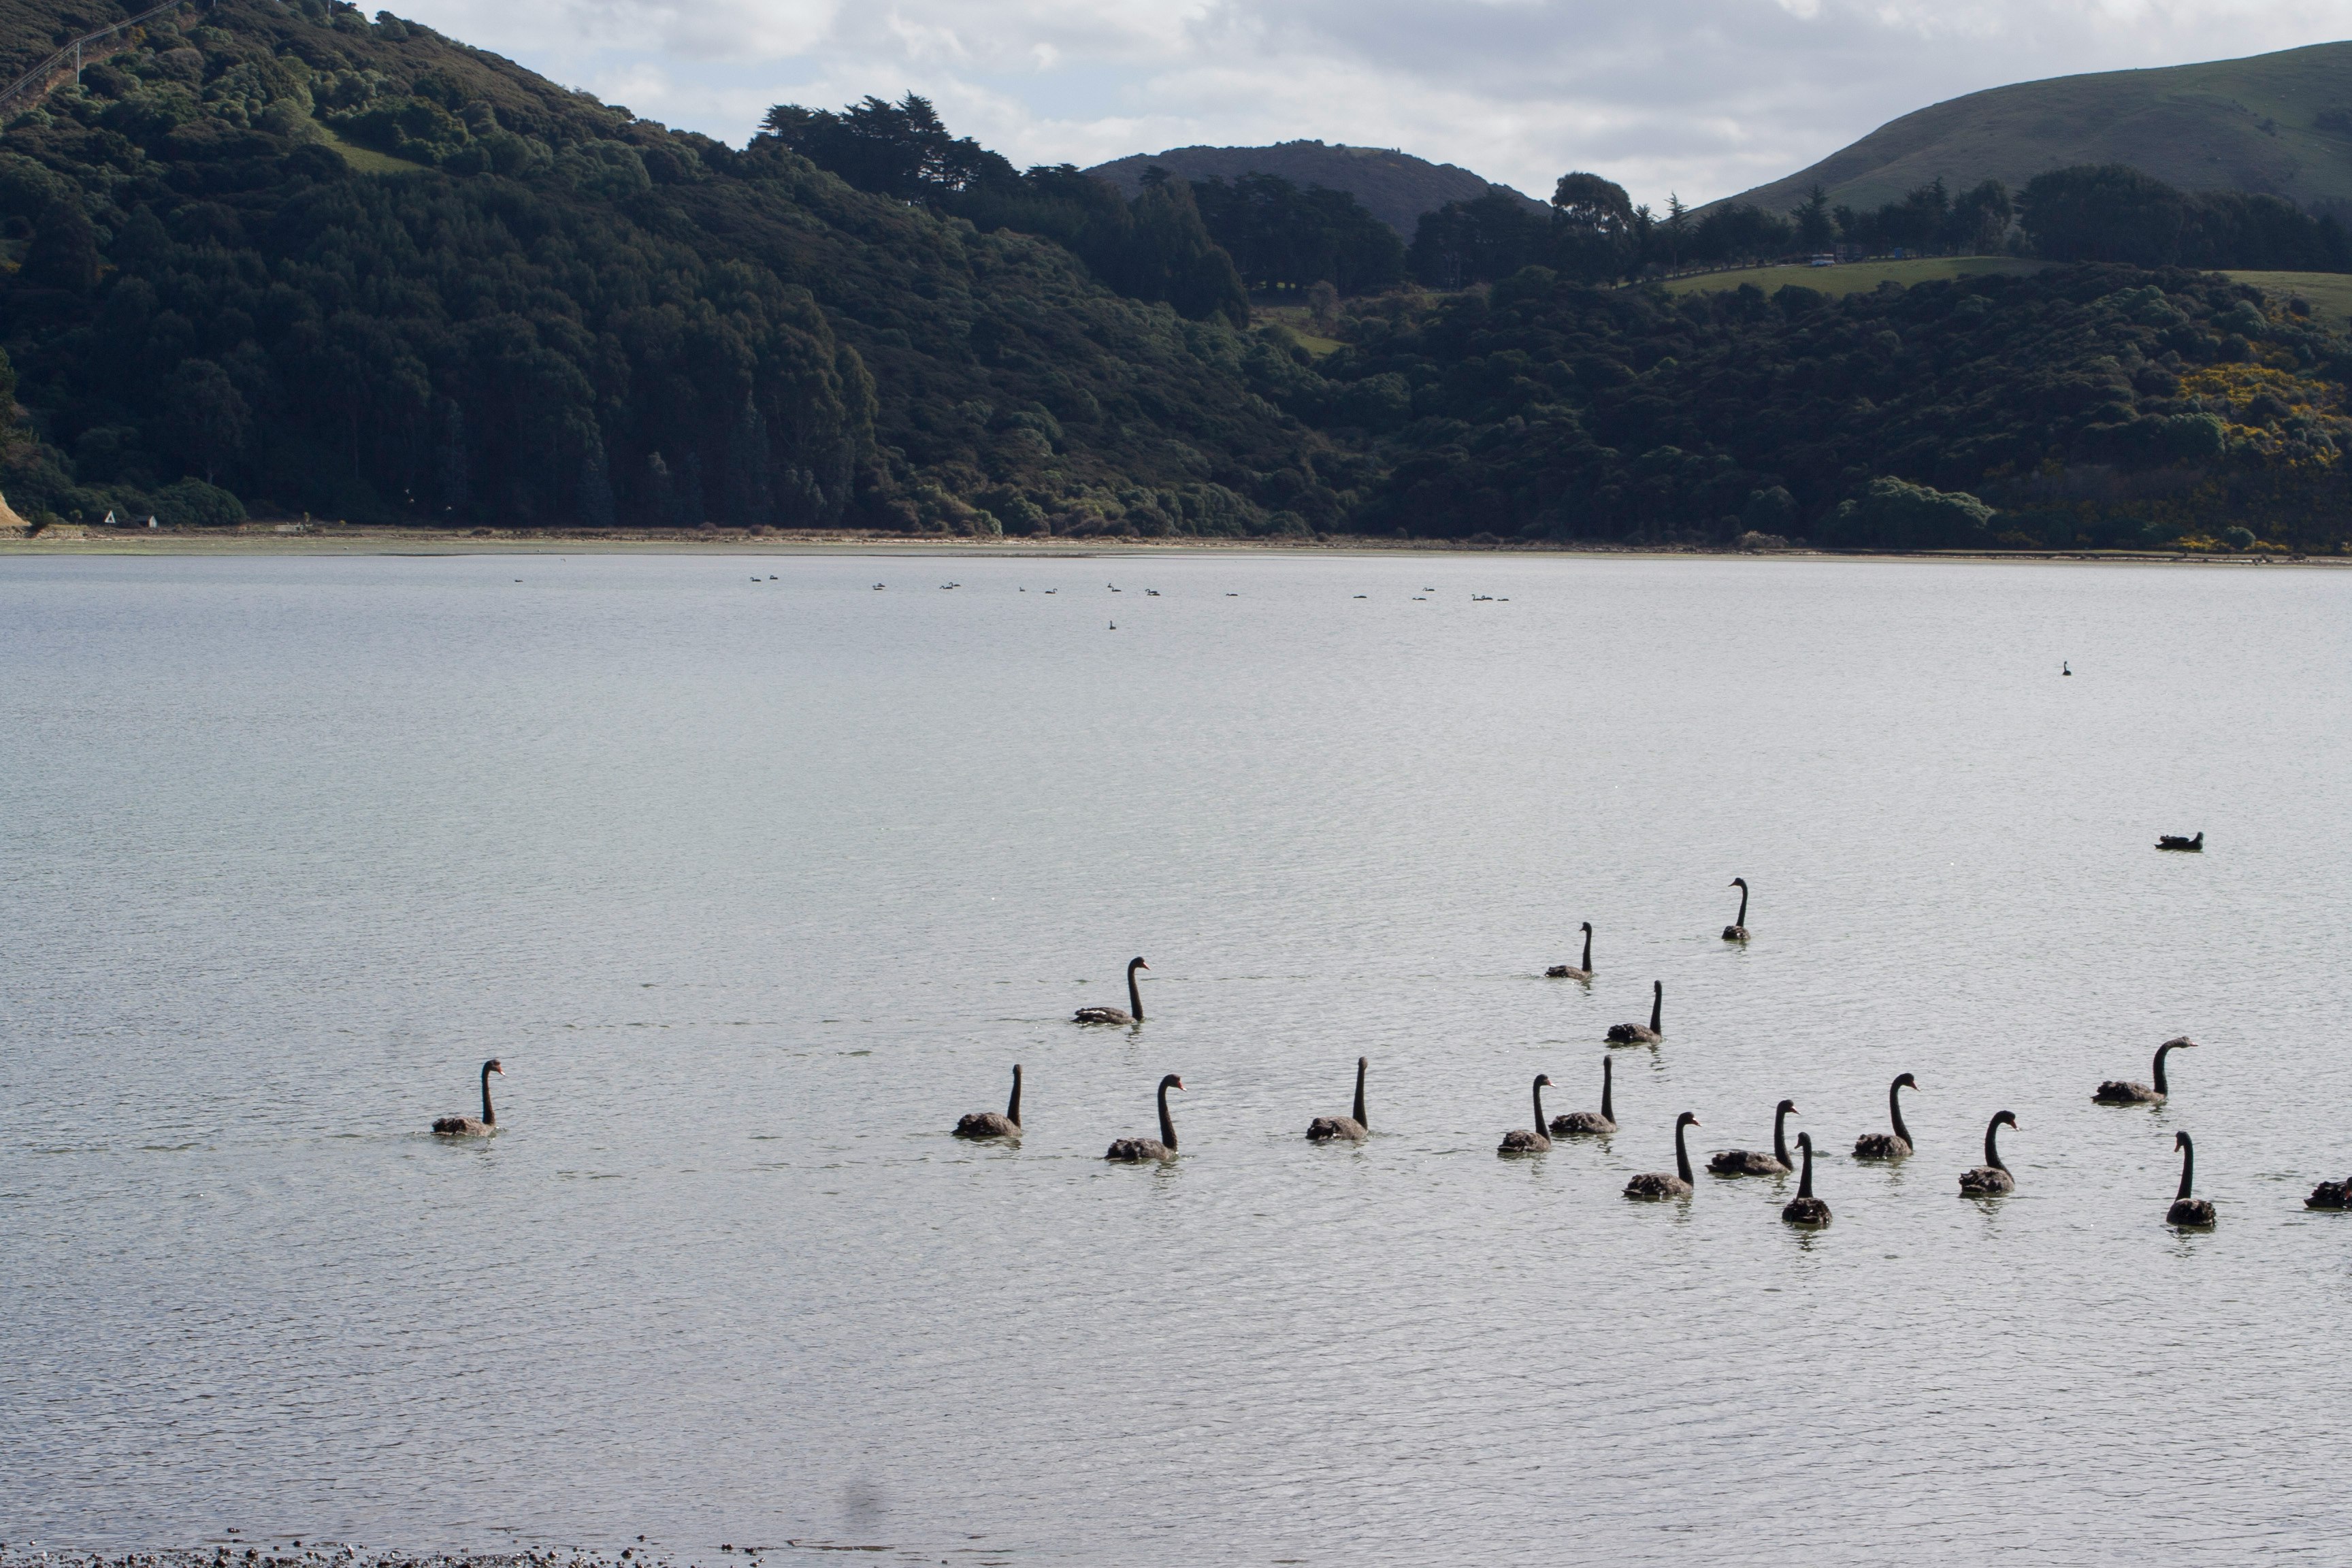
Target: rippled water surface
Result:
[[755, 886]]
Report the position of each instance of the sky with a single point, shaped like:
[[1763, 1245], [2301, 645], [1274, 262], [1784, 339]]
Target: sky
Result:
[[1697, 97]]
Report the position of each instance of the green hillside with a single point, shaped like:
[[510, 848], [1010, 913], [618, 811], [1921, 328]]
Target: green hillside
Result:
[[1395, 187], [1853, 276], [277, 254], [2280, 123]]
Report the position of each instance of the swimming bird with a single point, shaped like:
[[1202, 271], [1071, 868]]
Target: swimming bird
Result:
[[2065, 669], [2331, 1195], [1805, 1209], [2115, 1091], [1590, 1123], [1581, 969], [1892, 1145], [1634, 1033], [988, 1123], [1657, 1184], [2194, 1213], [2175, 841], [1134, 1013], [1754, 1162], [1737, 930], [1135, 1150], [1518, 1140], [1353, 1129], [470, 1127], [1992, 1179]]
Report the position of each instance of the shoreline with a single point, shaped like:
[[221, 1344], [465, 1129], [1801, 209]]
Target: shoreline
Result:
[[265, 540], [283, 1551]]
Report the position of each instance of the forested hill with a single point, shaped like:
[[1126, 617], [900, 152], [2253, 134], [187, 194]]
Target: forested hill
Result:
[[2277, 124], [281, 254], [1395, 187]]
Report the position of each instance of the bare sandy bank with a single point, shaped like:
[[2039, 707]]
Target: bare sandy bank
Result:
[[262, 539]]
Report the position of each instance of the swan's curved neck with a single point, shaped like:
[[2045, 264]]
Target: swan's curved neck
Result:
[[1742, 919], [1682, 1152], [490, 1117], [1134, 997], [1608, 1073], [1539, 1116], [1992, 1146], [1657, 1006], [1781, 1138], [1805, 1181], [1360, 1120], [1895, 1111], [1587, 964], [2161, 1052], [1013, 1105], [1167, 1126], [2187, 1167]]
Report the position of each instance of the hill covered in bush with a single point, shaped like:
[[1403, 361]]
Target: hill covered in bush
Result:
[[283, 255], [2099, 403]]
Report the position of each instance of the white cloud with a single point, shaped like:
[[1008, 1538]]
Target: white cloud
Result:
[[1703, 97]]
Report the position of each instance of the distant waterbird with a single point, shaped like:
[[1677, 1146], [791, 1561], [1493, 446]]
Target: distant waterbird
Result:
[[2116, 1092], [471, 1126], [1737, 930], [1656, 1184], [1582, 968], [2190, 1213], [1591, 1124], [2186, 846], [1135, 1151], [1755, 1162], [988, 1123], [1806, 1210], [1992, 1179], [1349, 1129], [1640, 1034], [1523, 1140], [1134, 1013], [1892, 1145]]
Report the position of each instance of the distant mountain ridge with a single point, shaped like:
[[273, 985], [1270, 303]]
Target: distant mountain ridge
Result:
[[1395, 187], [2277, 123]]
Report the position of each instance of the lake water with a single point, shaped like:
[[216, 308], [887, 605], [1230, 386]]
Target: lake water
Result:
[[755, 886]]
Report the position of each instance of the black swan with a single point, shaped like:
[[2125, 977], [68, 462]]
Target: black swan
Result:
[[2331, 1195], [2185, 1210], [2175, 841], [1135, 1150], [1892, 1145], [1518, 1140], [1580, 972], [1737, 930], [2115, 1092], [988, 1123], [1805, 1209], [1750, 1162], [1634, 1033], [1323, 1129], [1590, 1123], [1991, 1179], [470, 1127], [1134, 1013], [1657, 1184]]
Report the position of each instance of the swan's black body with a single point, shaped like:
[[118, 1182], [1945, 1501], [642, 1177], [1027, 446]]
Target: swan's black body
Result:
[[2189, 1212], [1992, 1179], [1657, 1184], [1737, 930], [1134, 1013], [2115, 1091], [988, 1123], [1892, 1145], [1353, 1129], [1754, 1162], [1634, 1033], [1519, 1140], [2331, 1195], [469, 1126], [1805, 1209], [1590, 1123], [1579, 971], [1135, 1151], [2175, 841]]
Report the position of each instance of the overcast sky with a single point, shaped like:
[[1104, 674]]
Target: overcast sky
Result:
[[1704, 98]]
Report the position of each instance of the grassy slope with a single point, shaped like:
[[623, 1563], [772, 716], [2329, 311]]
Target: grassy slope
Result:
[[1395, 187], [2201, 127]]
